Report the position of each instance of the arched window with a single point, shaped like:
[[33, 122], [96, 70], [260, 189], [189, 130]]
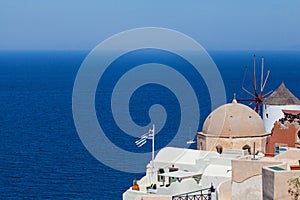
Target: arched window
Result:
[[219, 148], [298, 135], [247, 147]]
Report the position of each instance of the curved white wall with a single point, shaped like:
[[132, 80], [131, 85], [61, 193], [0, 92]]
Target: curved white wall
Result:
[[272, 113], [250, 189]]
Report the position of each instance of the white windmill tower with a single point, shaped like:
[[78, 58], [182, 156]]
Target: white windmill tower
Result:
[[281, 99]]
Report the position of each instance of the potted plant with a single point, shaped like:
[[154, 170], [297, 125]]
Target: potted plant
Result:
[[135, 186]]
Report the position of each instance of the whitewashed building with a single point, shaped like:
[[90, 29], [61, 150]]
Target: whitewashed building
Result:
[[178, 171], [281, 99]]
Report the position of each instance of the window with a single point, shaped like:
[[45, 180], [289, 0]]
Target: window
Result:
[[247, 147], [298, 134], [219, 148], [279, 148], [161, 178]]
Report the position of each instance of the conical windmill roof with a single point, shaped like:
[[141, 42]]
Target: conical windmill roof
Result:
[[282, 96]]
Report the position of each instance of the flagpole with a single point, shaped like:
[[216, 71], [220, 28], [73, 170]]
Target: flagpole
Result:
[[153, 133], [153, 144]]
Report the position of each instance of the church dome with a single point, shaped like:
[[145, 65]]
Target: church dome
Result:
[[234, 120]]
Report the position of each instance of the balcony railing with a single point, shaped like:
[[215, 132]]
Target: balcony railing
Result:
[[204, 194]]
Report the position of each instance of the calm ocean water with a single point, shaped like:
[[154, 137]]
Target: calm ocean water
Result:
[[41, 155]]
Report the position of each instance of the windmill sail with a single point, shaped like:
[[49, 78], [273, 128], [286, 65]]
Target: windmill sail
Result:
[[257, 95]]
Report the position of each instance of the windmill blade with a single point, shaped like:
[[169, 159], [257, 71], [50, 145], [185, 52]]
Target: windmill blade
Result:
[[248, 92], [256, 107], [258, 85], [262, 74], [246, 100], [254, 58], [268, 74], [267, 94], [244, 76], [260, 108], [251, 79], [260, 95]]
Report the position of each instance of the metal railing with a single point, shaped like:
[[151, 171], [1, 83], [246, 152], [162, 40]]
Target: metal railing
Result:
[[204, 194]]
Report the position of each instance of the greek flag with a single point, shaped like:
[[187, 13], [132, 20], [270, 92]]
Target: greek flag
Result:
[[143, 139]]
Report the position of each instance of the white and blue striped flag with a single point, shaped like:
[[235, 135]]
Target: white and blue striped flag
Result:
[[143, 139]]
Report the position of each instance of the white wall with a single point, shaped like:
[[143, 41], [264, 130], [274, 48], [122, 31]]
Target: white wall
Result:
[[133, 195], [275, 113], [250, 189]]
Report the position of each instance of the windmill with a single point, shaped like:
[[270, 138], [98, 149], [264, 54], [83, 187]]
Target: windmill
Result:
[[257, 95]]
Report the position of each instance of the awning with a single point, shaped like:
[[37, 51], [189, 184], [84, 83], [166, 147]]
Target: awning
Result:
[[180, 174]]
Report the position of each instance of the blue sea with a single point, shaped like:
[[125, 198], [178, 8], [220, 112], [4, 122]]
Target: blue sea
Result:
[[41, 155]]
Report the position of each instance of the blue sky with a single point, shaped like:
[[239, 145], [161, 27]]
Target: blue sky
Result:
[[216, 25]]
